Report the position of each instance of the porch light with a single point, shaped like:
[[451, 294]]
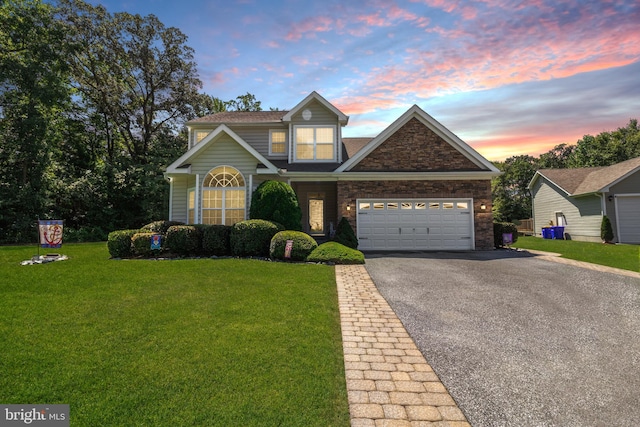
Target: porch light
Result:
[[348, 207], [483, 206], [610, 198]]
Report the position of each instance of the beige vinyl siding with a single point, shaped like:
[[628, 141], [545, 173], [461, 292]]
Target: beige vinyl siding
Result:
[[179, 198], [583, 214]]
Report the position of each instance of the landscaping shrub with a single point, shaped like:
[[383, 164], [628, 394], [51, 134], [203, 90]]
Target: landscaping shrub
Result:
[[159, 227], [141, 244], [303, 245], [500, 228], [606, 230], [345, 234], [119, 243], [276, 201], [336, 253], [183, 239], [216, 240], [253, 237]]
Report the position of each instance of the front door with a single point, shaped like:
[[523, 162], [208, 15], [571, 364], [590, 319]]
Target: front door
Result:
[[316, 214]]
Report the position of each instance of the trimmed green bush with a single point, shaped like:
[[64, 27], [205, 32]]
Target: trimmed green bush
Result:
[[606, 230], [303, 245], [345, 234], [276, 201], [141, 244], [253, 237], [216, 240], [500, 228], [119, 243], [183, 239], [336, 253], [159, 227]]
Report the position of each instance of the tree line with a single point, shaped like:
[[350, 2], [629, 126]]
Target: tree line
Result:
[[511, 197], [92, 109]]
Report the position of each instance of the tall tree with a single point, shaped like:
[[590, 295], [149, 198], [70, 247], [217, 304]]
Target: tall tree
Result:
[[135, 72], [607, 148], [511, 198], [246, 102], [556, 158], [34, 92]]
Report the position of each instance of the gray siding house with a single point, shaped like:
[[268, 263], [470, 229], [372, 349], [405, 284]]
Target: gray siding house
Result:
[[578, 199], [415, 186]]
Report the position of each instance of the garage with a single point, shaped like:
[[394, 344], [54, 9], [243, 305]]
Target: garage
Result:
[[627, 218], [415, 224]]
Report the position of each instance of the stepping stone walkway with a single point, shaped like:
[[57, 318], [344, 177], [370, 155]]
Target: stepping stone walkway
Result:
[[389, 382]]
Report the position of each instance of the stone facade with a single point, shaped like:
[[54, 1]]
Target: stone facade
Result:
[[415, 148], [478, 190]]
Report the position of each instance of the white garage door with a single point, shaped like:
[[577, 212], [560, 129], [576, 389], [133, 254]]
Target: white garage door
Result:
[[628, 218], [415, 224]]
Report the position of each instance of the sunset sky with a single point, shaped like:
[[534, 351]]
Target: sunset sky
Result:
[[508, 77]]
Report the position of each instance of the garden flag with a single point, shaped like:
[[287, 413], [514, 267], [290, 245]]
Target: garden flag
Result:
[[50, 231]]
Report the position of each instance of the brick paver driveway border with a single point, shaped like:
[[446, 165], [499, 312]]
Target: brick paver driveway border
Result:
[[389, 382]]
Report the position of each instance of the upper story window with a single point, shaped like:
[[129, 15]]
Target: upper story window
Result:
[[277, 142], [199, 135], [314, 143]]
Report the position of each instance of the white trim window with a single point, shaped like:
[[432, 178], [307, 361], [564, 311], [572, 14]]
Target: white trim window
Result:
[[223, 196], [191, 206], [277, 142], [199, 135], [314, 143]]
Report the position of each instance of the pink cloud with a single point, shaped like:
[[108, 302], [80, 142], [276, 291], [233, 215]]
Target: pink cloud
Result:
[[308, 28], [488, 52]]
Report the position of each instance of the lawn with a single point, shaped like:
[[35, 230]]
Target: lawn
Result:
[[208, 342], [626, 257]]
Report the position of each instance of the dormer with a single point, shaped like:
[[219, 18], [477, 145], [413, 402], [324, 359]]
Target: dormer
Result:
[[315, 131]]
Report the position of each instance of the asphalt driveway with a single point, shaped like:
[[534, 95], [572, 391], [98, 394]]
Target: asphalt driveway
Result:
[[521, 341]]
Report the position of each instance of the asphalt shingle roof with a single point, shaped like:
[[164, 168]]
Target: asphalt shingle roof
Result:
[[578, 181], [242, 117]]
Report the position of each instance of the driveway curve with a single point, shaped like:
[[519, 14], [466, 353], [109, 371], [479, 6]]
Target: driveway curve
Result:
[[521, 341]]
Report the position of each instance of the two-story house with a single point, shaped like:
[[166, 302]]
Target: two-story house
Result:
[[415, 186]]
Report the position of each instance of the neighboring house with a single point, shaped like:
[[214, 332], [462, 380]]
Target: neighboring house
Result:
[[416, 186], [578, 199]]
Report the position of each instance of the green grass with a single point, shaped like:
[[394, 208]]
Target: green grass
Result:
[[626, 257], [182, 343]]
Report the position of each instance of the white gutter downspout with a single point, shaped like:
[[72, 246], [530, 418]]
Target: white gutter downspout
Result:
[[196, 210], [170, 199]]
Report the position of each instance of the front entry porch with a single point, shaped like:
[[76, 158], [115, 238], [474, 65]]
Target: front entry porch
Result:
[[318, 203]]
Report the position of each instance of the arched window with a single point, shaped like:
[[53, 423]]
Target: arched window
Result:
[[223, 196]]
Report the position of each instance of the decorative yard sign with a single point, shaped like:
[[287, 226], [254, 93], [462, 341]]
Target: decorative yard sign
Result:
[[50, 231], [288, 248], [507, 239], [156, 242]]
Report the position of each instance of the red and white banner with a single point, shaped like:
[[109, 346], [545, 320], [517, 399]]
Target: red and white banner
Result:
[[50, 231]]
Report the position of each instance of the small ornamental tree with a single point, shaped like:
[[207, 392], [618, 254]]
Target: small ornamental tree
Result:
[[276, 201], [345, 234], [606, 231]]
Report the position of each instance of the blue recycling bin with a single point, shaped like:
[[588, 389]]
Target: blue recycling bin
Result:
[[557, 233], [547, 233]]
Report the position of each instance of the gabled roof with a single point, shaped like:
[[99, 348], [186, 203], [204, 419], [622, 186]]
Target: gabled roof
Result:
[[431, 123], [314, 96], [179, 165], [580, 181]]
